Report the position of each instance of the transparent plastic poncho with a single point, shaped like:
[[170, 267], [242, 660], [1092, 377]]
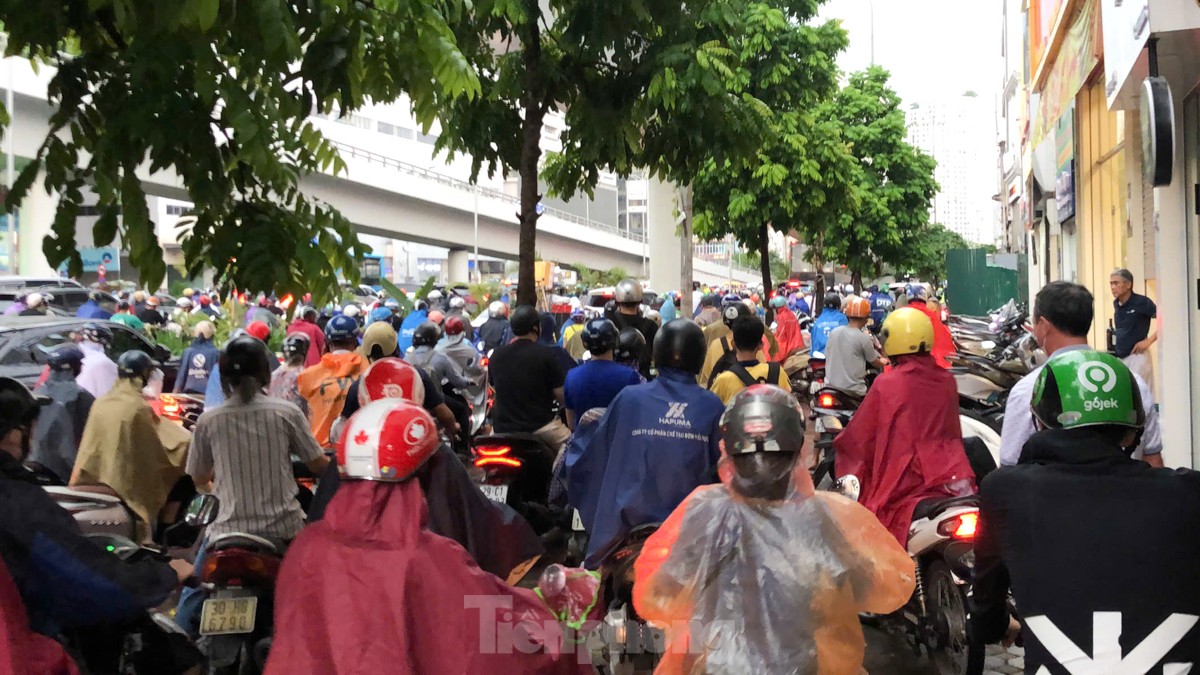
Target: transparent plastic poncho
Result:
[[745, 585]]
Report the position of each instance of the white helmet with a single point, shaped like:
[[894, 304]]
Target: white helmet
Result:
[[866, 294], [457, 303], [434, 296], [34, 300], [496, 308], [351, 310], [184, 303]]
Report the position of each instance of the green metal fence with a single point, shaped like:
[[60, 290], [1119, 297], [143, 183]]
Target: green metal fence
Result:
[[978, 282]]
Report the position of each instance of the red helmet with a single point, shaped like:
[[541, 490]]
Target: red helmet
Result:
[[454, 325], [856, 307], [259, 330], [391, 378], [387, 440]]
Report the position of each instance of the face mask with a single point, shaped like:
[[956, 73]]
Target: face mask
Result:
[[154, 385]]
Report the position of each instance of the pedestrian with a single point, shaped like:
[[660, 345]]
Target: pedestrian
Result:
[[1062, 317], [1076, 536], [1133, 315], [748, 334]]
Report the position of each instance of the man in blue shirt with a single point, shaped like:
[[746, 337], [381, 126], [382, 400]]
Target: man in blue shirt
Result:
[[825, 324], [1133, 315], [419, 316], [881, 305], [92, 309], [656, 444], [595, 383]]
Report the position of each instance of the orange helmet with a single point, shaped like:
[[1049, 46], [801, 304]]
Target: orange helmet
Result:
[[856, 307], [387, 440]]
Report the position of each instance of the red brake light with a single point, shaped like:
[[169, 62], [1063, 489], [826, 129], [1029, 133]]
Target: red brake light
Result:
[[238, 567], [496, 455], [484, 361], [793, 284], [498, 461], [494, 450], [826, 401], [963, 527]]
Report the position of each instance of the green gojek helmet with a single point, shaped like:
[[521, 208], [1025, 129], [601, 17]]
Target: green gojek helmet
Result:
[[1087, 388]]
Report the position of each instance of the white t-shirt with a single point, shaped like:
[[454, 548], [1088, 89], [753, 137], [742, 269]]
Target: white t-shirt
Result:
[[1018, 419]]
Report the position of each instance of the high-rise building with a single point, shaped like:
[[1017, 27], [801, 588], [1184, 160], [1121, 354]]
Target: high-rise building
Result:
[[960, 134]]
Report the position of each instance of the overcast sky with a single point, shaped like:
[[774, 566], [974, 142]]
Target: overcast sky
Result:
[[933, 48]]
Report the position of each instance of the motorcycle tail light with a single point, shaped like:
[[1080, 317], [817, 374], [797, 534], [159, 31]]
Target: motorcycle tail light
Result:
[[827, 400], [237, 567], [169, 405], [484, 361], [496, 455], [961, 527]]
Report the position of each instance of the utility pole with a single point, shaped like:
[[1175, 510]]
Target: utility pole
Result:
[[10, 168]]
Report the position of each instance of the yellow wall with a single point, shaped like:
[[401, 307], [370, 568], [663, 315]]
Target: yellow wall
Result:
[[1100, 205]]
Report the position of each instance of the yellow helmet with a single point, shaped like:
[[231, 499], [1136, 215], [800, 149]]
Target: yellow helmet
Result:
[[188, 292], [906, 331]]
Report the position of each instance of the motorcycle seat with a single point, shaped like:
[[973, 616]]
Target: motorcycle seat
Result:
[[931, 508], [81, 493], [242, 540]]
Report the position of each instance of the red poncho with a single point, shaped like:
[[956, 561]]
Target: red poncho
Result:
[[788, 337], [22, 650], [369, 589], [943, 341], [905, 443]]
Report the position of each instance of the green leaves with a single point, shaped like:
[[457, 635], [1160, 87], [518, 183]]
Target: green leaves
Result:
[[219, 92]]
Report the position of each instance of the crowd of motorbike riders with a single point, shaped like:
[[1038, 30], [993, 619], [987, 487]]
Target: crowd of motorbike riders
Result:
[[686, 425]]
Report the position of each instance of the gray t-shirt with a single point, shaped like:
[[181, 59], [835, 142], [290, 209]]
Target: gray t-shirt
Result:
[[847, 356]]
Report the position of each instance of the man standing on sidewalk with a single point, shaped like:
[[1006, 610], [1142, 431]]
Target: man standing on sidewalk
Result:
[[1134, 314]]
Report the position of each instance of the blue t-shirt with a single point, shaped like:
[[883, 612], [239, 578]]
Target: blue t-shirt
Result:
[[1132, 322], [596, 383], [825, 324]]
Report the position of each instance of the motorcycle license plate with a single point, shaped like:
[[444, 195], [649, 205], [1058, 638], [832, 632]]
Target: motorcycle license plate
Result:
[[496, 493], [228, 616], [576, 522]]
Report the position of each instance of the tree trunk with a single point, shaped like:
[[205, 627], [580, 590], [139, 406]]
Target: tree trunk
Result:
[[685, 266], [856, 281], [531, 154], [764, 261]]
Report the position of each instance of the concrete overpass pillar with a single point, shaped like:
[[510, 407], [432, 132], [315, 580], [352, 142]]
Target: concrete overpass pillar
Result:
[[665, 246], [459, 268], [36, 217]]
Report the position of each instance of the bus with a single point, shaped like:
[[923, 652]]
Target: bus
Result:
[[371, 271]]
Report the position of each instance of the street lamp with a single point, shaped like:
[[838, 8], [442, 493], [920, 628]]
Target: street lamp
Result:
[[871, 4]]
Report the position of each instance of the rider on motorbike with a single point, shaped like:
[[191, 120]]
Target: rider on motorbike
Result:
[[124, 447], [850, 350], [829, 320], [628, 352], [595, 383], [458, 348], [326, 384], [284, 381], [904, 442], [656, 443], [60, 426], [943, 341], [721, 352], [338, 603], [65, 581], [771, 574], [788, 336], [98, 373], [1076, 531]]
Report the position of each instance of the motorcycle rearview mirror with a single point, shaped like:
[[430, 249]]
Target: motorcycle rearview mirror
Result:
[[849, 486], [202, 511], [161, 353]]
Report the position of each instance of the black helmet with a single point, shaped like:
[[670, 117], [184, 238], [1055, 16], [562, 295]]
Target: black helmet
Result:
[[65, 357], [427, 334], [680, 345], [833, 300], [97, 332], [135, 363], [734, 311], [630, 345], [762, 418], [600, 336], [524, 320], [19, 407], [244, 356], [295, 346]]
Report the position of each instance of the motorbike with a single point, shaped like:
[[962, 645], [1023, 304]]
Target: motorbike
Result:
[[97, 511], [988, 338], [516, 469], [941, 543], [984, 382], [183, 409], [237, 618], [632, 645], [831, 412]]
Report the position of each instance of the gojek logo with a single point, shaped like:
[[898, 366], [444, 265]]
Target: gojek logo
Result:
[[1098, 377], [1107, 657]]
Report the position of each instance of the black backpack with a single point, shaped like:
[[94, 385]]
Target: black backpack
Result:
[[747, 379], [728, 360]]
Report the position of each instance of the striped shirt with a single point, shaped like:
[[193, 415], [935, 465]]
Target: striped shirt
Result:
[[247, 447]]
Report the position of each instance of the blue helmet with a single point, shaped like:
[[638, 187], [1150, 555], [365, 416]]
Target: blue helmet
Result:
[[600, 336], [380, 314], [391, 303], [65, 357], [341, 328], [731, 299], [917, 291]]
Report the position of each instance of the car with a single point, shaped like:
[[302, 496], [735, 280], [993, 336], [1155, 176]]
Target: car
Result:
[[21, 282], [21, 337], [599, 297], [64, 300]]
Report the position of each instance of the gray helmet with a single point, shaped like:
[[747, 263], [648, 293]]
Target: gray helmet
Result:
[[629, 290]]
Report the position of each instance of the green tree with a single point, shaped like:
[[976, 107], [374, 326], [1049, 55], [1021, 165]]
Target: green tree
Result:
[[220, 91], [801, 172], [927, 254], [893, 180]]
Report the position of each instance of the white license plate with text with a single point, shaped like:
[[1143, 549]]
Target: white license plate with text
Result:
[[228, 616], [496, 493]]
